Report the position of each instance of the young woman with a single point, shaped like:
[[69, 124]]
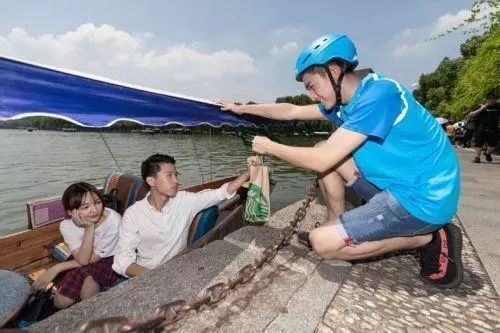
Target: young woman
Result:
[[91, 233]]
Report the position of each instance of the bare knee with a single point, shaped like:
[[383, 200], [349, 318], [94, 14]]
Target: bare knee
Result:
[[62, 302], [317, 243], [324, 242], [90, 288]]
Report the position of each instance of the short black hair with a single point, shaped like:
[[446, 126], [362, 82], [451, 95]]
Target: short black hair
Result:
[[151, 165], [321, 69], [73, 196], [490, 96], [345, 65]]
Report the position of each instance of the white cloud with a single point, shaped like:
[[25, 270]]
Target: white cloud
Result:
[[418, 41], [449, 21], [109, 52], [285, 48], [421, 48], [407, 32]]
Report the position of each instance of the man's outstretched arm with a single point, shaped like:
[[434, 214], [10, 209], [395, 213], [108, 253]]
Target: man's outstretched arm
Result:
[[278, 111]]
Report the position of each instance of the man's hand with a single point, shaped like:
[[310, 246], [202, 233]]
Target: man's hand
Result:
[[229, 106], [260, 145], [481, 108]]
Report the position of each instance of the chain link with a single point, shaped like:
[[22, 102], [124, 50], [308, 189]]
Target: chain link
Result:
[[169, 313]]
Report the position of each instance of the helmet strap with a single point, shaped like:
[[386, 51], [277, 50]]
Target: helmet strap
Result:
[[336, 84]]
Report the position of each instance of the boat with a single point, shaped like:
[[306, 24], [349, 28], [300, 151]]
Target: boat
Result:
[[29, 251], [28, 90]]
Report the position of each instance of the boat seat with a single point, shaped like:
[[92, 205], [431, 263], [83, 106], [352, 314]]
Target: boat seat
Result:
[[126, 188], [202, 223]]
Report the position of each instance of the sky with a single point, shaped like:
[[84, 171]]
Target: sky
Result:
[[222, 49]]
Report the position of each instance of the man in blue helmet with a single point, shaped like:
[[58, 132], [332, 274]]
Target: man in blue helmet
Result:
[[388, 148]]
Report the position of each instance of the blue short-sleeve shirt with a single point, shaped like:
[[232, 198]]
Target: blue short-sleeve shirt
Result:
[[406, 153]]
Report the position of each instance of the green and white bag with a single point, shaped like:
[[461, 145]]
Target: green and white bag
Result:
[[258, 205]]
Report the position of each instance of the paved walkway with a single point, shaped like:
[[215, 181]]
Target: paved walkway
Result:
[[386, 295], [479, 209]]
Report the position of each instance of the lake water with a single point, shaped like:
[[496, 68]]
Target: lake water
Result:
[[41, 164]]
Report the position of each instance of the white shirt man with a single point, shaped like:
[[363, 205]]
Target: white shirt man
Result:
[[150, 238], [155, 229]]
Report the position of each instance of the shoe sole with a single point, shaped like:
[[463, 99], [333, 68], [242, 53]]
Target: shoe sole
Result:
[[303, 238], [456, 234]]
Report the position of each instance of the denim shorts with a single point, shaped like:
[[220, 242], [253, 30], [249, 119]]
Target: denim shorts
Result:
[[380, 218]]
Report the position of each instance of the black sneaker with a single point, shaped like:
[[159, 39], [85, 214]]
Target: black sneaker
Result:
[[441, 259], [303, 238], [488, 157], [476, 160]]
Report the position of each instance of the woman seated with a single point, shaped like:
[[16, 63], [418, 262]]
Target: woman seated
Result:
[[91, 233]]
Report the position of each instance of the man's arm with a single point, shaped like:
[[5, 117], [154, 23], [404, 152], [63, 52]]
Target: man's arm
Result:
[[320, 159], [478, 111], [279, 111], [234, 185], [125, 253]]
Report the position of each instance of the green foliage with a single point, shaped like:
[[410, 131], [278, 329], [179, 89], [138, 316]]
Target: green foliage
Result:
[[480, 76], [302, 99], [457, 86], [469, 48], [435, 89]]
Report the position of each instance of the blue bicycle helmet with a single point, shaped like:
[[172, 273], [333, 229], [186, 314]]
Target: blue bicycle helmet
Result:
[[325, 49]]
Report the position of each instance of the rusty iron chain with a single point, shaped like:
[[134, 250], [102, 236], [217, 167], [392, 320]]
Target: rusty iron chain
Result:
[[171, 312]]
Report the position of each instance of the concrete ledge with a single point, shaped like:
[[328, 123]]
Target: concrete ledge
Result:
[[290, 294], [273, 300]]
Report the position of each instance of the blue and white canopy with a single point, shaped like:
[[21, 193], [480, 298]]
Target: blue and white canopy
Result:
[[33, 90]]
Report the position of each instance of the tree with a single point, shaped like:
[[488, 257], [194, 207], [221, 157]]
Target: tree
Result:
[[480, 76], [435, 89]]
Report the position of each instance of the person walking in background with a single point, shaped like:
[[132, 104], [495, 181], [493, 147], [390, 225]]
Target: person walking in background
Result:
[[486, 131]]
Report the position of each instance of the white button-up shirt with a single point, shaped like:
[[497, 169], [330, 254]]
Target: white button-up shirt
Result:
[[150, 238]]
